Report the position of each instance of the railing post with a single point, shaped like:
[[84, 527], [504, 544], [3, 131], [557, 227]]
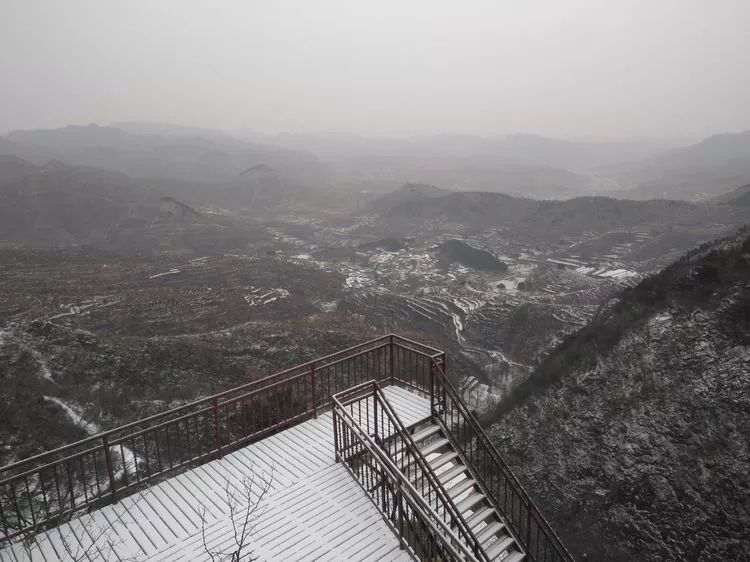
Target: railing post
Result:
[[314, 392], [110, 468], [529, 507], [383, 491], [375, 410], [336, 457], [444, 394], [217, 430], [400, 511], [393, 370], [432, 387]]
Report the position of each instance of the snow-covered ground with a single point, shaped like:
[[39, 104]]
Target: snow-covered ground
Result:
[[127, 457], [260, 297], [170, 272]]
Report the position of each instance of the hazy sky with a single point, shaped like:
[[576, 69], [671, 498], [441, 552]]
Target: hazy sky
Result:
[[558, 67]]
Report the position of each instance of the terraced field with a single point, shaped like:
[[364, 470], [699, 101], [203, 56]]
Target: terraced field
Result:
[[93, 338]]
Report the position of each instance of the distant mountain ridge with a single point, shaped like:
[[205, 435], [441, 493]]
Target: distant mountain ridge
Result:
[[58, 204], [213, 157], [547, 220], [524, 165], [535, 166], [711, 167], [523, 148]]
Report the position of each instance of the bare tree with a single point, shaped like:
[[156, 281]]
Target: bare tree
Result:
[[245, 503], [102, 538]]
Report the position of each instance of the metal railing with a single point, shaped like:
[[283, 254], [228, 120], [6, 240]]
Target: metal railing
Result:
[[369, 408], [42, 490], [495, 478], [418, 526]]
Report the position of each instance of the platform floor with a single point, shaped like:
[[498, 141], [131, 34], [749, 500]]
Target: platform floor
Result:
[[313, 510]]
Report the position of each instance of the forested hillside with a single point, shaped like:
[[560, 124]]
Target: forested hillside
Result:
[[633, 433]]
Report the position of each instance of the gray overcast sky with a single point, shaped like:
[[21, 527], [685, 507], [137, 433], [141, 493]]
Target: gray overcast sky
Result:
[[557, 67]]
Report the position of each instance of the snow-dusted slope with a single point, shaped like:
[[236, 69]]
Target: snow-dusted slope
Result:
[[634, 433]]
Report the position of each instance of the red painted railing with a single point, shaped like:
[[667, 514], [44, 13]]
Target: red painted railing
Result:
[[367, 407], [43, 490]]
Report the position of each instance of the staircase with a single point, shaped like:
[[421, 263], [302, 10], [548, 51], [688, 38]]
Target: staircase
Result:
[[484, 521], [468, 504]]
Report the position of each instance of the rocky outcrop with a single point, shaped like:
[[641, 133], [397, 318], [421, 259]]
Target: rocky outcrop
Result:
[[455, 251]]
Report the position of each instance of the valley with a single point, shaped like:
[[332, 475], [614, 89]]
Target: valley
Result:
[[112, 333], [529, 222], [122, 296]]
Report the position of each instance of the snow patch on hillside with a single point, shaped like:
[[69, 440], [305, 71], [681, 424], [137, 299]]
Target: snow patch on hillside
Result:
[[260, 297], [127, 457], [170, 272], [75, 417]]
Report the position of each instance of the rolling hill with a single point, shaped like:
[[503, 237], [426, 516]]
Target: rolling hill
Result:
[[711, 167], [58, 204], [212, 157], [546, 221]]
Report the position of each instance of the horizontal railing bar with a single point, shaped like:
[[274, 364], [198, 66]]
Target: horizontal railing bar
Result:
[[264, 389], [354, 390], [53, 464], [151, 428], [197, 413], [416, 343], [368, 344], [343, 359], [411, 385]]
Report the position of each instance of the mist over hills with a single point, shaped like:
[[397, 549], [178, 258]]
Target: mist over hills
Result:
[[740, 197], [208, 157], [711, 167], [57, 204], [536, 166], [521, 164], [61, 203], [409, 207], [197, 246], [576, 156], [550, 200]]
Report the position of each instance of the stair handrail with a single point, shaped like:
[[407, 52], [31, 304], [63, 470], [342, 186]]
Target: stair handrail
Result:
[[481, 435], [433, 479], [441, 531]]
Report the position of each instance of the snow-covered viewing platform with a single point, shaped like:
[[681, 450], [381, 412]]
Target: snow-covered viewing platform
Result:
[[313, 509], [366, 454]]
